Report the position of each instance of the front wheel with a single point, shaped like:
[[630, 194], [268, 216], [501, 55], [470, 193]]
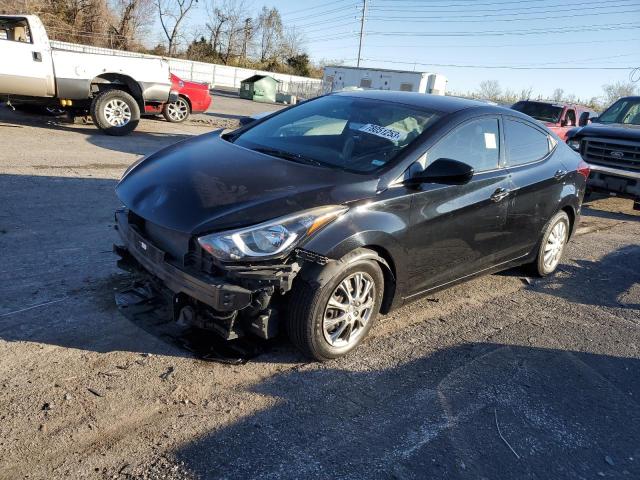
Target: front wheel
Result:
[[115, 112], [328, 319], [176, 112], [554, 239]]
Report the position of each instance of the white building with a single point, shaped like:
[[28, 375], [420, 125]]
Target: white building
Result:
[[340, 78]]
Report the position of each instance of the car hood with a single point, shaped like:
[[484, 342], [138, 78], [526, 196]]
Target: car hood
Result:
[[208, 184], [611, 130]]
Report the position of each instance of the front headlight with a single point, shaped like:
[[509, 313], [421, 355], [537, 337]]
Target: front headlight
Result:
[[269, 239], [574, 144]]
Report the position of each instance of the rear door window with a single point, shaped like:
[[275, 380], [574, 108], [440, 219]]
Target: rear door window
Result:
[[524, 143]]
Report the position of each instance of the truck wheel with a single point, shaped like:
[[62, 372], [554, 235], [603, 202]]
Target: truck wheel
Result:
[[115, 112], [331, 313], [176, 112]]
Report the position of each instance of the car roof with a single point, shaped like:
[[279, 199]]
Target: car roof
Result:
[[438, 103]]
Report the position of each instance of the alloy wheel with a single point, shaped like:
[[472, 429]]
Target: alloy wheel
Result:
[[178, 110], [117, 113], [349, 309], [555, 245]]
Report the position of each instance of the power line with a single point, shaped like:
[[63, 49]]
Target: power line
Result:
[[489, 33], [510, 45], [321, 14], [306, 9], [502, 67], [482, 18], [516, 10]]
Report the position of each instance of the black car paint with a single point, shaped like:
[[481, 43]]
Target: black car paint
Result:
[[606, 130], [430, 236]]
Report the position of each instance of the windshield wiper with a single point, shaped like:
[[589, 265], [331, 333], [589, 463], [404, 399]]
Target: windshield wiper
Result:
[[295, 157]]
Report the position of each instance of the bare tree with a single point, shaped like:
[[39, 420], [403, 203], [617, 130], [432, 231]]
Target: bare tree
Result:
[[215, 25], [558, 95], [172, 13], [291, 43], [130, 21], [525, 93], [490, 90], [613, 91], [270, 31]]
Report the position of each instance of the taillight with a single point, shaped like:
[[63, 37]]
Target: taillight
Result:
[[583, 169]]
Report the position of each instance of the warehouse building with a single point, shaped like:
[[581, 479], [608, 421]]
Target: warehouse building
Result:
[[340, 78]]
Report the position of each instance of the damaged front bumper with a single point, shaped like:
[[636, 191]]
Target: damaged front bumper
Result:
[[236, 300]]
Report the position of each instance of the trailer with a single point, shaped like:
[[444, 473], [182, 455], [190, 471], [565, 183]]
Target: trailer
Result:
[[344, 78]]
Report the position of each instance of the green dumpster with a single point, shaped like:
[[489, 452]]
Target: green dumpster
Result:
[[259, 88]]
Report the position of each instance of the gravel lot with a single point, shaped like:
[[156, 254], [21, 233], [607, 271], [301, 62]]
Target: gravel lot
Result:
[[497, 378]]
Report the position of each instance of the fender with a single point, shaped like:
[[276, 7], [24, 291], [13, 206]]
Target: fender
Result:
[[380, 228]]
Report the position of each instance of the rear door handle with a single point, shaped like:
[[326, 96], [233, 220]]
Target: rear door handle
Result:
[[500, 194], [37, 56], [560, 174]]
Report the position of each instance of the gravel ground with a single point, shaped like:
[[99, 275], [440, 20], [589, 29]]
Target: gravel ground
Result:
[[500, 377]]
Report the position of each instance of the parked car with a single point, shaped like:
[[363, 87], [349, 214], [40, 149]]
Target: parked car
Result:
[[611, 146], [193, 97], [114, 88], [320, 216], [556, 116]]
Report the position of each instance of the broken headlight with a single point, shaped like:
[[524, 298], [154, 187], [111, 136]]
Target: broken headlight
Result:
[[269, 239]]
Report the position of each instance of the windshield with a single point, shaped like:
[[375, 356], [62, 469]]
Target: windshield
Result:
[[544, 112], [625, 110], [350, 133]]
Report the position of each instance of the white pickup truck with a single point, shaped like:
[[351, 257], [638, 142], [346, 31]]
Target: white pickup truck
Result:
[[113, 87]]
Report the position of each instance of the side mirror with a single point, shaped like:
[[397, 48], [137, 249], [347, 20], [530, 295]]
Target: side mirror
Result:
[[594, 119], [445, 171]]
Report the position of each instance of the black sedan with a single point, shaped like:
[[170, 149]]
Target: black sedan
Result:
[[320, 217]]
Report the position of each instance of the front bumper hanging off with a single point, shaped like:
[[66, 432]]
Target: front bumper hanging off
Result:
[[215, 292], [238, 296]]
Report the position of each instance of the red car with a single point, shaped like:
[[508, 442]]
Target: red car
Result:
[[193, 98], [557, 117]]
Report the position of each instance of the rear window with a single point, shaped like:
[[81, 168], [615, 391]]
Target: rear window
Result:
[[524, 144], [544, 112], [350, 133]]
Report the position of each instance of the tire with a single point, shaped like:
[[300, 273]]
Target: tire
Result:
[[115, 112], [309, 309], [176, 112], [559, 222]]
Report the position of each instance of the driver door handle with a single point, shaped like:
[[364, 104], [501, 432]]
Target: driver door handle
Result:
[[559, 174], [500, 194]]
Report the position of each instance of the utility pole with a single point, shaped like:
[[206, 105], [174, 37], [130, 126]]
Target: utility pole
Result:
[[364, 14]]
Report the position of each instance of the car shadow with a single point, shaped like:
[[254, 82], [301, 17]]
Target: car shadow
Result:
[[478, 410], [59, 277], [137, 142], [605, 282]]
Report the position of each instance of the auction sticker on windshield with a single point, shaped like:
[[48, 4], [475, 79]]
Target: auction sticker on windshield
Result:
[[383, 132]]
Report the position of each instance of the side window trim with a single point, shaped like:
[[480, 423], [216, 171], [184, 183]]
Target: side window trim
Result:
[[501, 149], [535, 127]]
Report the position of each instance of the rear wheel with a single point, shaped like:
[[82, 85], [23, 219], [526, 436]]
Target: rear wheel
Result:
[[115, 112], [328, 319], [176, 112], [554, 239]]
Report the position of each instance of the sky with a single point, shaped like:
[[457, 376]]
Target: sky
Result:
[[598, 40]]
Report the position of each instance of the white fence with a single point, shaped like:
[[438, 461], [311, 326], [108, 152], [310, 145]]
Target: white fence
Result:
[[213, 74]]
